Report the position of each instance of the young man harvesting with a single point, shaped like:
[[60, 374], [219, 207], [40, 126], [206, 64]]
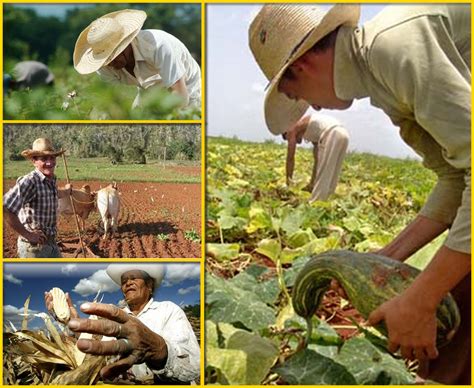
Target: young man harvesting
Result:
[[414, 63]]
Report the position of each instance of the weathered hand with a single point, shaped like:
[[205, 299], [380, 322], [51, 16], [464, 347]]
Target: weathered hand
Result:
[[136, 343], [37, 237], [411, 326], [48, 301]]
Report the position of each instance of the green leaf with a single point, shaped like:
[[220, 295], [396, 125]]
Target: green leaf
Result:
[[324, 334], [265, 291], [310, 368], [289, 255], [270, 248], [222, 252], [371, 366], [261, 355], [229, 303], [259, 219], [229, 222], [286, 313], [231, 363], [300, 238], [292, 222], [211, 334]]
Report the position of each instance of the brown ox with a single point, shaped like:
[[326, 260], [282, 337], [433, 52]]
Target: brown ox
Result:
[[84, 203]]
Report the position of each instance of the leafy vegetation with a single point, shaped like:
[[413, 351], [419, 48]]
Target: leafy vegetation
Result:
[[260, 233], [192, 235]]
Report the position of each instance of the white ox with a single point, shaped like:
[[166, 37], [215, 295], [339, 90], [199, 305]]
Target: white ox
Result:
[[108, 204]]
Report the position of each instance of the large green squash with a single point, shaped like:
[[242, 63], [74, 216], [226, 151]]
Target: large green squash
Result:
[[368, 280]]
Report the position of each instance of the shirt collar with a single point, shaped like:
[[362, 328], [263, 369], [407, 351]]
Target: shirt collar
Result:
[[348, 74], [148, 306], [136, 52], [42, 177]]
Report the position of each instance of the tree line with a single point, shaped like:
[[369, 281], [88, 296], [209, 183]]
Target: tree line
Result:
[[49, 39], [132, 143]]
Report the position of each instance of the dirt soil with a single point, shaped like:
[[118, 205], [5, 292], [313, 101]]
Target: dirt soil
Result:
[[147, 210]]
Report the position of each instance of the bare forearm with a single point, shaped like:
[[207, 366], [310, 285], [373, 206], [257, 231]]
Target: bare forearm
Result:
[[290, 159], [13, 220], [417, 234], [442, 274]]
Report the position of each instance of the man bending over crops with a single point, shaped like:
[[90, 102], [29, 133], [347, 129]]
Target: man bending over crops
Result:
[[28, 75], [154, 340], [115, 46], [414, 63], [30, 207], [330, 140]]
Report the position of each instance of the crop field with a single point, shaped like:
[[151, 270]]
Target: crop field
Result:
[[158, 217], [260, 233], [76, 97]]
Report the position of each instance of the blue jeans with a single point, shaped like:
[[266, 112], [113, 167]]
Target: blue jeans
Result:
[[49, 249]]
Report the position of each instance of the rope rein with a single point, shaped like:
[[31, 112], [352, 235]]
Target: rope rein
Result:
[[84, 202]]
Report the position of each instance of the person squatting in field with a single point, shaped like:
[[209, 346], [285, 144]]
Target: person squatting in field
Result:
[[117, 49], [330, 140], [30, 207], [414, 63], [154, 340]]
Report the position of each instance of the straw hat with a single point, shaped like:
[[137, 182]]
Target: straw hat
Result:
[[105, 38], [155, 271], [41, 147], [278, 36]]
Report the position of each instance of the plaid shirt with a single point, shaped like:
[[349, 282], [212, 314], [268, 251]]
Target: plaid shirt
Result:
[[34, 199]]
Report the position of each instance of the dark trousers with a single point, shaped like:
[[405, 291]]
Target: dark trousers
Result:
[[453, 366]]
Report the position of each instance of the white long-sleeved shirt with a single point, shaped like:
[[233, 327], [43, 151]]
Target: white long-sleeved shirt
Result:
[[160, 60], [170, 322]]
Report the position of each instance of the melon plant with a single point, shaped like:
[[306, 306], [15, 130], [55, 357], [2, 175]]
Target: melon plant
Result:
[[369, 280]]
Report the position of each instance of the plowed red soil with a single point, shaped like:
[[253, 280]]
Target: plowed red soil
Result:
[[147, 211]]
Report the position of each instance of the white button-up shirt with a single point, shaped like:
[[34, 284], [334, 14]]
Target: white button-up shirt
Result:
[[160, 60], [170, 322]]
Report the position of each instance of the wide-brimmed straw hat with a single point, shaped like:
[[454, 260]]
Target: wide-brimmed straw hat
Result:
[[105, 38], [155, 271], [41, 147], [279, 35]]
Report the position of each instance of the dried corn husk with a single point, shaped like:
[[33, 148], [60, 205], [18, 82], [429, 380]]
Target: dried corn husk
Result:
[[85, 374], [60, 305]]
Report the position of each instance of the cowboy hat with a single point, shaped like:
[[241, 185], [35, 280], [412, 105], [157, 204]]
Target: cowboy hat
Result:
[[279, 35], [41, 147], [155, 271], [105, 38]]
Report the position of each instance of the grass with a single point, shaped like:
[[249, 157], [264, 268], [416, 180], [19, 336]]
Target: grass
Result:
[[101, 169]]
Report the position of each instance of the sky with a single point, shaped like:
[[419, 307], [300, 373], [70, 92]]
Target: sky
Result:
[[181, 285], [235, 88]]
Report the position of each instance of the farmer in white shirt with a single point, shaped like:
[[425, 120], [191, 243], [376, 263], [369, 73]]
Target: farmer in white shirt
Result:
[[117, 49], [330, 140], [154, 340]]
